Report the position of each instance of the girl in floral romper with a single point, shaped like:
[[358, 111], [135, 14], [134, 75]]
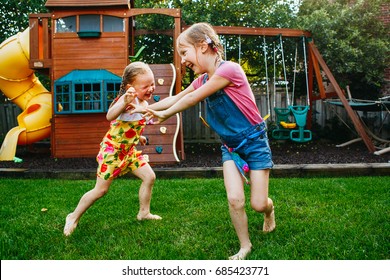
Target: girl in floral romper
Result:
[[118, 154]]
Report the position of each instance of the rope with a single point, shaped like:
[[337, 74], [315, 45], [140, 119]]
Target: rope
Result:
[[295, 72], [274, 75], [239, 49], [284, 70]]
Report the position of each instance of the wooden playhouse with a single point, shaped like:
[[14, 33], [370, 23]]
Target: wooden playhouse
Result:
[[84, 47]]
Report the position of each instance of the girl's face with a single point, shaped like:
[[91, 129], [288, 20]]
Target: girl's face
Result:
[[144, 85], [192, 57]]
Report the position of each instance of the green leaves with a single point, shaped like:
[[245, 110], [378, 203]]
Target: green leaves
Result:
[[14, 15], [352, 40], [349, 34]]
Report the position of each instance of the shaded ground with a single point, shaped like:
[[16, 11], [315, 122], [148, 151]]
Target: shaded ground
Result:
[[208, 155]]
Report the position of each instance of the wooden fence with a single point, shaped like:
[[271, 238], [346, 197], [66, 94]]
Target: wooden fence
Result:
[[8, 118], [195, 131]]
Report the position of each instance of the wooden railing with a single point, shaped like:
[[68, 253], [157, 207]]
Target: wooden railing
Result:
[[40, 41]]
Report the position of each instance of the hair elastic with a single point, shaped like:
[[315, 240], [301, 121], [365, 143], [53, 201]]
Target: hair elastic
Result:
[[211, 43]]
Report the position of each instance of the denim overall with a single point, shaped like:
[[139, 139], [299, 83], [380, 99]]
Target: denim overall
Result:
[[236, 132]]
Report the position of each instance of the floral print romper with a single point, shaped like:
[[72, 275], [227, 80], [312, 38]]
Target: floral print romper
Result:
[[118, 154]]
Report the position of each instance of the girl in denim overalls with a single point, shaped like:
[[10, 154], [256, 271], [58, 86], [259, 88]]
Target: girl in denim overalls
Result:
[[118, 154], [233, 114]]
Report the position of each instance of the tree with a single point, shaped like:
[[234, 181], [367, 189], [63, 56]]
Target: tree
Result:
[[352, 39], [265, 13], [348, 33], [14, 15]]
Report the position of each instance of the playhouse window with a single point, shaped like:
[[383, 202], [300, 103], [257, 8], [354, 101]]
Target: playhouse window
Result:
[[84, 97], [62, 98], [113, 24], [66, 24], [89, 23], [112, 90], [87, 97]]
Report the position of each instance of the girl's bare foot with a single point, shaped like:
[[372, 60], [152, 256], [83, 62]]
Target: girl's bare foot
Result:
[[70, 225], [148, 216], [241, 255], [269, 221]]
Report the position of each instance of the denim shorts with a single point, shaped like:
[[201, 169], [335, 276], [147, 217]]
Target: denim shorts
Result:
[[256, 152]]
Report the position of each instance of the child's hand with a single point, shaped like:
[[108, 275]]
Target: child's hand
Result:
[[143, 140], [138, 109], [128, 97], [160, 115]]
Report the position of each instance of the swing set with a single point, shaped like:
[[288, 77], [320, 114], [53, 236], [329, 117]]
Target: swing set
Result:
[[285, 129], [315, 67]]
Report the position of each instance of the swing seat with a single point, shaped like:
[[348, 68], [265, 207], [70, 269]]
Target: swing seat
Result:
[[282, 115], [288, 125], [281, 134], [301, 134], [300, 114]]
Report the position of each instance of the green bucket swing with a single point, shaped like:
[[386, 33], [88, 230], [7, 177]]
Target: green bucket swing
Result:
[[282, 132], [301, 134], [282, 116]]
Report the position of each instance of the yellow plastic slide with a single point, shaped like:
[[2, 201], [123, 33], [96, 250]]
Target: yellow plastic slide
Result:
[[19, 83]]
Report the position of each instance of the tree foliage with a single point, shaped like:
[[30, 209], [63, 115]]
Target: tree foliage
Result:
[[246, 49], [352, 39], [349, 34], [14, 15]]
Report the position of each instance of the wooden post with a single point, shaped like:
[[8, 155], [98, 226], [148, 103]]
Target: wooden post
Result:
[[176, 56], [310, 73], [352, 114], [317, 71]]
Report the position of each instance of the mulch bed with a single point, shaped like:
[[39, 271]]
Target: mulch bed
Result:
[[208, 155]]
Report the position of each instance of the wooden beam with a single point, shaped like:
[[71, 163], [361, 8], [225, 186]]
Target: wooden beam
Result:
[[317, 71], [167, 32], [176, 56], [259, 31], [310, 77], [352, 114], [168, 12]]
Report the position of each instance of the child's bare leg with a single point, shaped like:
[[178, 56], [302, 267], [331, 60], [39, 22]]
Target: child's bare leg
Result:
[[86, 201], [260, 201], [236, 199], [240, 222], [269, 217], [146, 174]]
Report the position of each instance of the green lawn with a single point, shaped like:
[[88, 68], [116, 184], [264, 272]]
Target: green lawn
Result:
[[317, 219]]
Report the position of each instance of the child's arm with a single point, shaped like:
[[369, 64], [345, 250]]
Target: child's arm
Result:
[[164, 103], [189, 99], [169, 101], [122, 104]]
